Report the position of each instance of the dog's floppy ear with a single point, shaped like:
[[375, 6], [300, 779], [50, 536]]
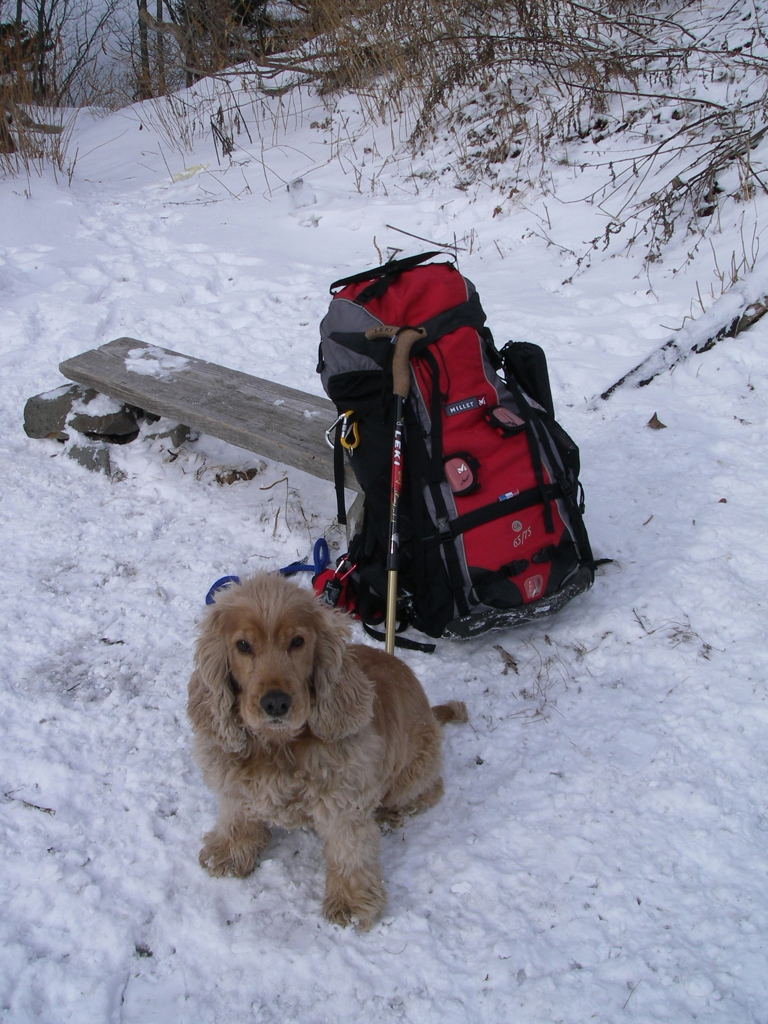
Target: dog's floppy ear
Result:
[[212, 705], [343, 694]]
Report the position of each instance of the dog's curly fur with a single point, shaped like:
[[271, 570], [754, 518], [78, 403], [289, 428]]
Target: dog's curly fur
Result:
[[294, 727]]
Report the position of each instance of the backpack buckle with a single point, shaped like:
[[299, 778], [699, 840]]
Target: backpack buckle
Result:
[[444, 531]]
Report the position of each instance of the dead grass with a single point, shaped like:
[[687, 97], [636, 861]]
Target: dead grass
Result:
[[676, 632], [545, 675]]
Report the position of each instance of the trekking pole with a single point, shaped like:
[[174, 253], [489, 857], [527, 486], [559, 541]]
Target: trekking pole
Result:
[[403, 339]]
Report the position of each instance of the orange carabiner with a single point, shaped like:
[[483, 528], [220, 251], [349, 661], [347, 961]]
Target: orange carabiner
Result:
[[347, 430]]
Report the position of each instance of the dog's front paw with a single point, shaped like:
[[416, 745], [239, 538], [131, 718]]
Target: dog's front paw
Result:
[[221, 856], [359, 899], [389, 818]]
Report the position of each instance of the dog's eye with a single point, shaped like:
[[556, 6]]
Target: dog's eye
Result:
[[296, 642], [243, 646]]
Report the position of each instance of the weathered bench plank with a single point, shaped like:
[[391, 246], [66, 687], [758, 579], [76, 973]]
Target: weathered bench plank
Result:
[[270, 419]]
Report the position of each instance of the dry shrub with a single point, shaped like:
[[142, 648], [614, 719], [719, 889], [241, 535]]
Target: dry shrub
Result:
[[31, 136], [32, 145], [50, 59]]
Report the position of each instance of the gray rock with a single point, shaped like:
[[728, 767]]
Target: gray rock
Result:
[[120, 426], [93, 457], [46, 414], [51, 413], [177, 435]]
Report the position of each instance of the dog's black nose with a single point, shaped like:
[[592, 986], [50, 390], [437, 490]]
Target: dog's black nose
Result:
[[276, 703]]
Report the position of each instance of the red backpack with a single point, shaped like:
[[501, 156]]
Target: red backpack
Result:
[[491, 530]]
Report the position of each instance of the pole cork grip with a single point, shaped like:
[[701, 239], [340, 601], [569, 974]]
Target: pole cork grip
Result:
[[401, 371]]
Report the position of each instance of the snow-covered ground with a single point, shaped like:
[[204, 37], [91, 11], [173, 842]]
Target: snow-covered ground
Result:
[[600, 851]]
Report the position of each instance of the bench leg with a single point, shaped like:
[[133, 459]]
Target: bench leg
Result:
[[355, 516]]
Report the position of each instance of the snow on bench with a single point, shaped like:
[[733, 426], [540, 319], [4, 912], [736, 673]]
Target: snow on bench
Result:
[[272, 420]]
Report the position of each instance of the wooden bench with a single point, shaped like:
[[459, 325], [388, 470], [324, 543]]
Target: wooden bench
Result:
[[270, 419]]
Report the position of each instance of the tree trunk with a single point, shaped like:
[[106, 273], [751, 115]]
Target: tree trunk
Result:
[[160, 51], [7, 145], [39, 84], [145, 78]]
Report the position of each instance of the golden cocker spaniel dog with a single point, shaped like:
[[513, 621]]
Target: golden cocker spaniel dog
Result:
[[294, 727]]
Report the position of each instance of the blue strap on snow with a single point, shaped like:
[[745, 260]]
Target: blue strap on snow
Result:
[[225, 581], [321, 556]]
